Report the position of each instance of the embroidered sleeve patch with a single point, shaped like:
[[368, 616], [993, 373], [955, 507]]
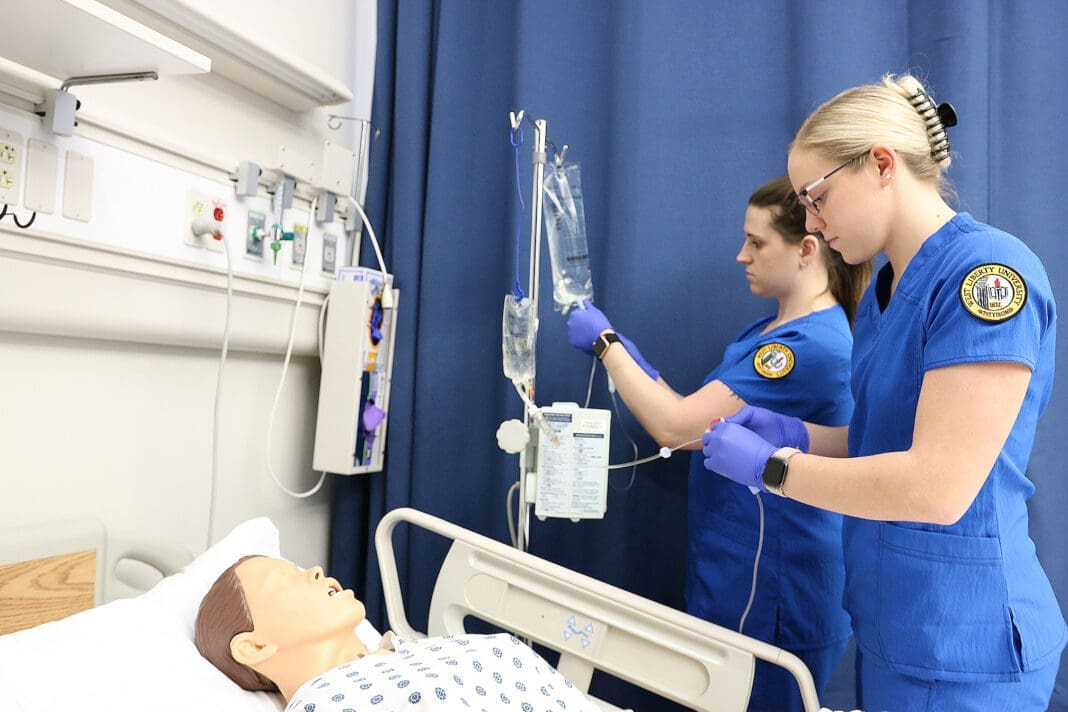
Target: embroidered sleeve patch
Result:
[[993, 292], [773, 360]]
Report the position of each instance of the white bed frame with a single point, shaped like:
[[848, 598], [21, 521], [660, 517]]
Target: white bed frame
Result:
[[594, 626]]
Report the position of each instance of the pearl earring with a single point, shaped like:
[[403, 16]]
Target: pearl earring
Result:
[[889, 177]]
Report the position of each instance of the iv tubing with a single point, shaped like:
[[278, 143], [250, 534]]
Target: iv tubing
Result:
[[756, 564], [660, 454], [371, 232], [285, 368]]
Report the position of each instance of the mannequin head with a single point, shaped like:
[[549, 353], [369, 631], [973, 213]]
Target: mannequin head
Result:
[[270, 625]]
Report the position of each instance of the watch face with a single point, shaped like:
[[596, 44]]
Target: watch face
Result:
[[774, 473], [602, 343]]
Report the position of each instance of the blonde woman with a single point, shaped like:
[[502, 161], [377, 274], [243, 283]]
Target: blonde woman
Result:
[[953, 360]]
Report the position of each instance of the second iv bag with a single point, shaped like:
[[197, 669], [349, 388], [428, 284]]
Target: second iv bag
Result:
[[517, 341], [565, 228]]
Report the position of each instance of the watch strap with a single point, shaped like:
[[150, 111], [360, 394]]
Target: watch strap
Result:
[[600, 346]]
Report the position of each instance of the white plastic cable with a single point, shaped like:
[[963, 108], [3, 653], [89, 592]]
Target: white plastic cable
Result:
[[387, 294], [508, 511], [756, 564], [589, 384], [285, 369], [215, 436]]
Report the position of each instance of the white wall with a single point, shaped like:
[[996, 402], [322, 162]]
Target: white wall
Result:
[[110, 330]]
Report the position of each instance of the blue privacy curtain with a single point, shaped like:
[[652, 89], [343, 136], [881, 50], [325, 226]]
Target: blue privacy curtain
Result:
[[676, 111]]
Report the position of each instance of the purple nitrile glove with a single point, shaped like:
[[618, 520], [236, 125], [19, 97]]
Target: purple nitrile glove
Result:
[[778, 429], [635, 354], [585, 325], [737, 453]]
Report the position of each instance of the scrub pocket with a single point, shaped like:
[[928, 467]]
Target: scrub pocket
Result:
[[943, 609]]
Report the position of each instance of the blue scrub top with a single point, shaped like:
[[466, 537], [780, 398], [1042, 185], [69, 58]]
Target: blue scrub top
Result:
[[970, 601], [800, 368]]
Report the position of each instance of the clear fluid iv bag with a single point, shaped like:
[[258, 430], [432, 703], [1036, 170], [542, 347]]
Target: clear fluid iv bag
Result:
[[517, 341], [565, 228]]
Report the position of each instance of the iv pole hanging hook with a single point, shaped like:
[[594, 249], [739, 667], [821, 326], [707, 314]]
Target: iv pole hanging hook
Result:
[[517, 119], [333, 121]]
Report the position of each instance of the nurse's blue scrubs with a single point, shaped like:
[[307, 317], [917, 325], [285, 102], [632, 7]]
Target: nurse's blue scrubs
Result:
[[800, 368], [958, 617]]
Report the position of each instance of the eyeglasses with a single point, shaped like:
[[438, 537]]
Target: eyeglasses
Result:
[[809, 202]]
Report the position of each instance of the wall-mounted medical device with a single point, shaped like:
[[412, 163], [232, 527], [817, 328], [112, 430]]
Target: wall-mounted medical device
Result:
[[353, 413]]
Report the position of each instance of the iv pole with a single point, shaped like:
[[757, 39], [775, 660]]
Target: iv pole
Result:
[[532, 279]]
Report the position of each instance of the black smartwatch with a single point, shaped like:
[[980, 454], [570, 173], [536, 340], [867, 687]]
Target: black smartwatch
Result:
[[603, 342], [775, 470]]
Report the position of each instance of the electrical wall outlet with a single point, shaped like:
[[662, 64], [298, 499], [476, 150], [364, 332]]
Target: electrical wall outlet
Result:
[[300, 247], [10, 162], [329, 254], [255, 234], [203, 206]]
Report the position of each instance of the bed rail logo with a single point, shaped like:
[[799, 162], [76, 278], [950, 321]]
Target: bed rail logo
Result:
[[993, 292], [585, 635]]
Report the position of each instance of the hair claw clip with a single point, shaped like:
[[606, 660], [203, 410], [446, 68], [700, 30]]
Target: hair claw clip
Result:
[[947, 114]]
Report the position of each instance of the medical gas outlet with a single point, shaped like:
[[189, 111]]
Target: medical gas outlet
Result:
[[278, 236], [205, 218], [255, 234]]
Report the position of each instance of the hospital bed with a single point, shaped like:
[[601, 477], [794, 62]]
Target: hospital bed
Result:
[[136, 652]]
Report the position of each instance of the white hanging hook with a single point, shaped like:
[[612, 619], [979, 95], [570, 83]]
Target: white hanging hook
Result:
[[517, 119]]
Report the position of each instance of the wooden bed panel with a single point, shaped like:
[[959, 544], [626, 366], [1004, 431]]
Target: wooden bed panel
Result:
[[46, 589]]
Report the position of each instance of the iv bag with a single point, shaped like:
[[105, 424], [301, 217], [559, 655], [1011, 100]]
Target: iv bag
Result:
[[517, 342], [565, 228]]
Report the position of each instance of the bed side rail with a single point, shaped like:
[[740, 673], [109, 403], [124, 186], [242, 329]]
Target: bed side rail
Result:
[[591, 624]]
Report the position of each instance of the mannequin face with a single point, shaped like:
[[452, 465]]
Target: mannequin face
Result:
[[293, 607]]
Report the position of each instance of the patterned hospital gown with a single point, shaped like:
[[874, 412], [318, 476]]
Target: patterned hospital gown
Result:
[[476, 672]]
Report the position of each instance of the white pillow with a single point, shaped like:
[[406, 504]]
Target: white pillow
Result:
[[134, 654]]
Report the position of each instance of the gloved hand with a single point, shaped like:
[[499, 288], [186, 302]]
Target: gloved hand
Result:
[[635, 354], [737, 453], [585, 325], [778, 429]]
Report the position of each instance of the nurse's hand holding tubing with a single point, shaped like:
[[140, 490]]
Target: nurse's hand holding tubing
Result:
[[585, 325], [778, 429], [739, 445]]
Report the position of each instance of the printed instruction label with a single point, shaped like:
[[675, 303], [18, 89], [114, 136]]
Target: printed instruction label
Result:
[[572, 480]]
